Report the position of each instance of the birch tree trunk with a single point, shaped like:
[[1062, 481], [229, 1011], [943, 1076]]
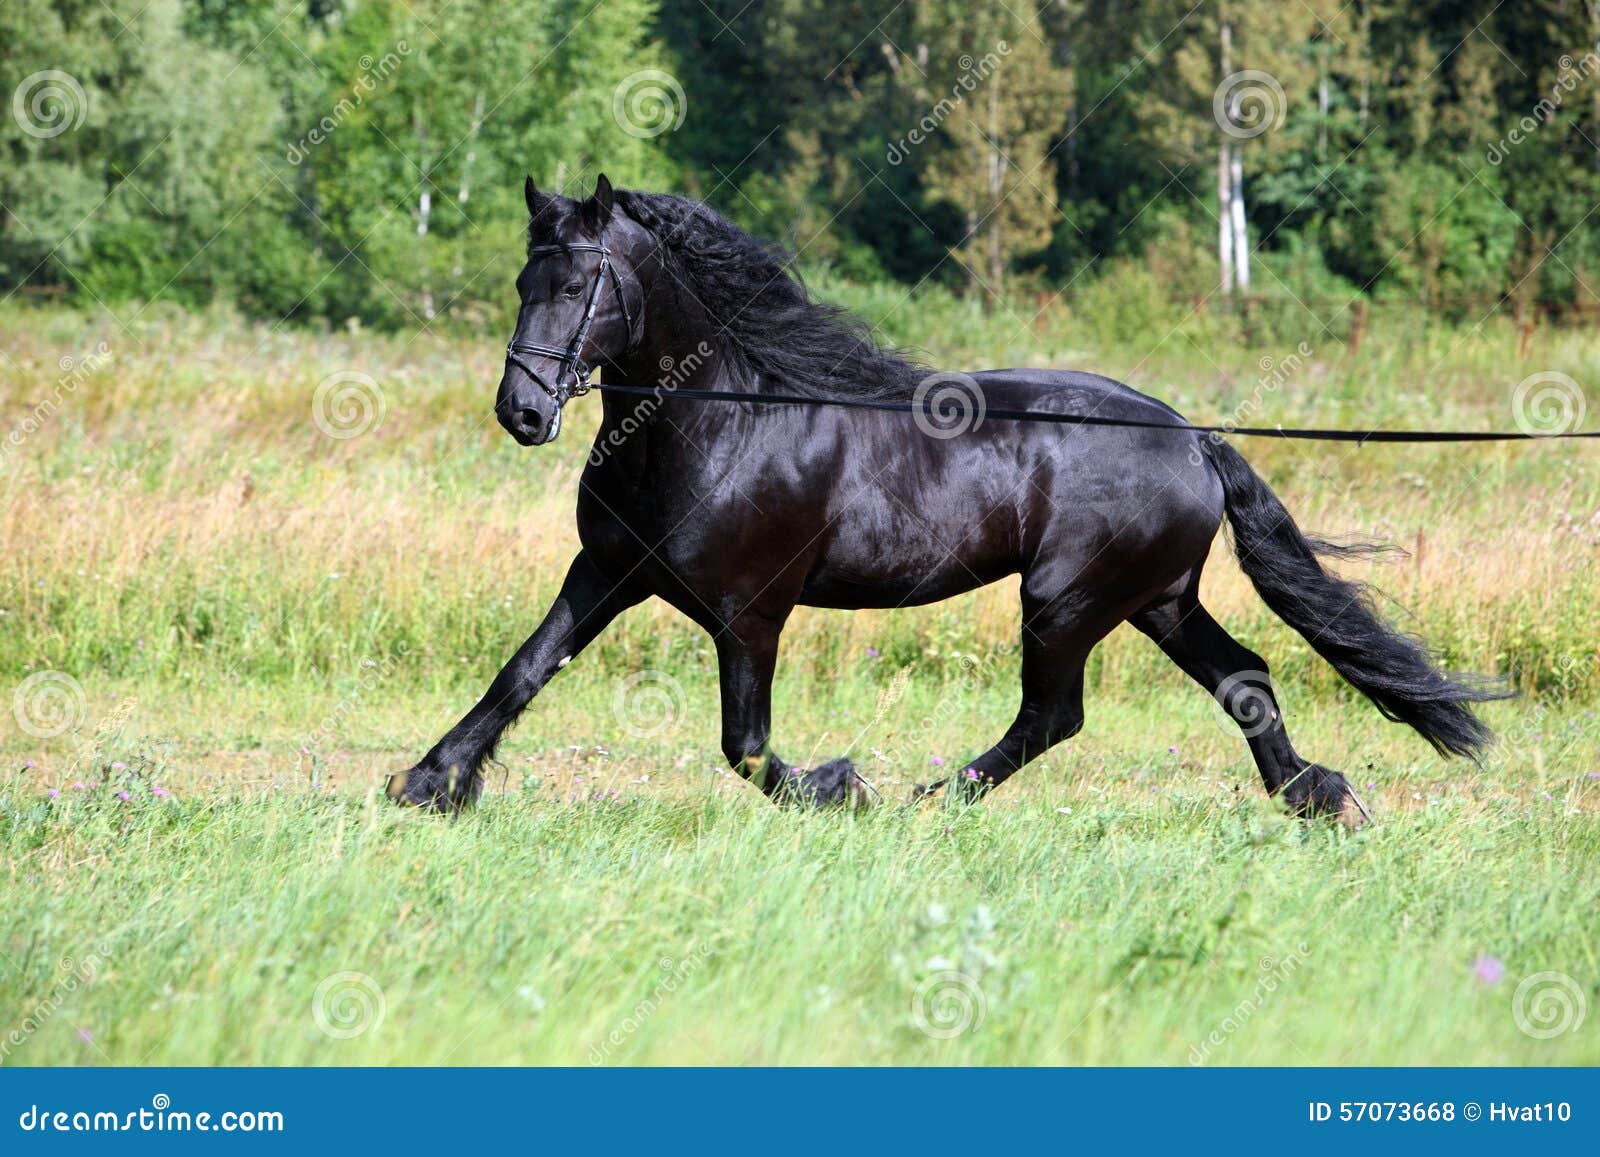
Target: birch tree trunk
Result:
[[1241, 243]]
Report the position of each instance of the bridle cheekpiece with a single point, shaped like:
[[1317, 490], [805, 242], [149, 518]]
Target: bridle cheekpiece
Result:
[[571, 358]]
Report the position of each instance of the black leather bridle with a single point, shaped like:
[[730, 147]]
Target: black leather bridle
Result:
[[571, 358]]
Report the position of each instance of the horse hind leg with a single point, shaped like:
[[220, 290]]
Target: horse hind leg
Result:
[[1056, 641], [1237, 678]]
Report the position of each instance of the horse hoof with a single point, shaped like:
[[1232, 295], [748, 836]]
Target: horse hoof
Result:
[[835, 783], [1354, 813], [420, 787]]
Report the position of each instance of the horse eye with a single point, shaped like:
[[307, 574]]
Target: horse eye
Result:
[[573, 290]]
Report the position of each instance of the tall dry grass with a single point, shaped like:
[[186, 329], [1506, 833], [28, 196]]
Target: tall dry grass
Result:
[[180, 516]]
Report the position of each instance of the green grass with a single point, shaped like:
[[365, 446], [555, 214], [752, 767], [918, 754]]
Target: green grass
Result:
[[264, 622], [1117, 903], [1124, 932]]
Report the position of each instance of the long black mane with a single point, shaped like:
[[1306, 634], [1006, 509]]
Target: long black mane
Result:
[[767, 321]]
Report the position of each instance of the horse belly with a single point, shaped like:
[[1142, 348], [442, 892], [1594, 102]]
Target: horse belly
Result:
[[882, 555]]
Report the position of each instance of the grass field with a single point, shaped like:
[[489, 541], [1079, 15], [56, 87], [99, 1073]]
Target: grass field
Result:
[[242, 622]]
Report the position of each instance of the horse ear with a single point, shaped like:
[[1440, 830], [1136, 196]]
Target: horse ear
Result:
[[537, 202], [597, 209]]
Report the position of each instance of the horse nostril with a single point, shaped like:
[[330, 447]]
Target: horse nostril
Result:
[[530, 421]]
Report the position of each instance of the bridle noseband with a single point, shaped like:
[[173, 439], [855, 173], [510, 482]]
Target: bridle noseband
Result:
[[571, 358]]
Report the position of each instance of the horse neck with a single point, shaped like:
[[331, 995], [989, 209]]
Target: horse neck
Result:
[[681, 347]]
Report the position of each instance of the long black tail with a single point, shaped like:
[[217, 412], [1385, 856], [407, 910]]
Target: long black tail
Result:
[[1337, 618]]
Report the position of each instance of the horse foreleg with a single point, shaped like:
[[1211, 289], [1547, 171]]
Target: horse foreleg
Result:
[[747, 655], [450, 774]]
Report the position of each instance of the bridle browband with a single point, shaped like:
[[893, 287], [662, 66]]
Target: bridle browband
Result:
[[571, 358]]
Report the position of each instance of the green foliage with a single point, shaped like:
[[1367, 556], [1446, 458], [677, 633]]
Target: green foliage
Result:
[[339, 160]]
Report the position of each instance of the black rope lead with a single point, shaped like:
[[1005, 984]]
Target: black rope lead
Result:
[[1312, 435]]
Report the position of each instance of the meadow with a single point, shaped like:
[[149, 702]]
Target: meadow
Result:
[[250, 570]]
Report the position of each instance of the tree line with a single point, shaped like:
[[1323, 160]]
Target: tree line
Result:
[[339, 161]]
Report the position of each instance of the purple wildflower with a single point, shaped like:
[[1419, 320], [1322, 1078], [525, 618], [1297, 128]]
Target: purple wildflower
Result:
[[873, 652], [1489, 969], [971, 773], [938, 761]]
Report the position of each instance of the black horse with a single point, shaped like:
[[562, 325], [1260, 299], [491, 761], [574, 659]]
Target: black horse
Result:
[[737, 512]]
